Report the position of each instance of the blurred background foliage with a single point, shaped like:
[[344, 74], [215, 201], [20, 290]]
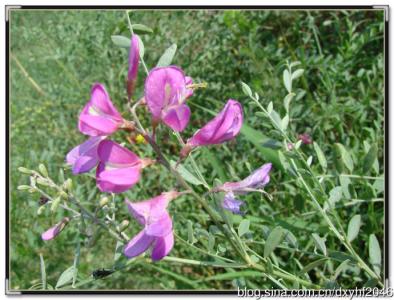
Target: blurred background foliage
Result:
[[57, 55]]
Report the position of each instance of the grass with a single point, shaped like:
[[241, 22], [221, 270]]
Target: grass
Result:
[[56, 56]]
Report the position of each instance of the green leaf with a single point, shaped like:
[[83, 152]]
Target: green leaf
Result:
[[43, 273], [335, 196], [65, 277], [166, 59], [211, 242], [375, 254], [274, 239], [232, 275], [312, 265], [121, 41], [297, 73], [345, 156], [258, 139], [270, 107], [189, 177], [277, 120], [76, 261], [140, 28], [190, 233], [287, 100], [246, 89], [287, 80], [118, 250], [319, 243], [370, 158], [353, 227], [243, 227], [142, 47], [320, 156], [340, 268], [285, 122]]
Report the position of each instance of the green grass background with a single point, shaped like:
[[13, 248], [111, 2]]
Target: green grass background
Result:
[[340, 99]]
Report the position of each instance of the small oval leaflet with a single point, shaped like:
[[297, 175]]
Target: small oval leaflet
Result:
[[375, 254], [319, 243], [274, 239], [166, 59], [121, 41], [243, 227], [353, 227]]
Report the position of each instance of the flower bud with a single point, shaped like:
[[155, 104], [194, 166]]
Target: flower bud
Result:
[[104, 201], [40, 210], [68, 184], [123, 225], [55, 204], [23, 187], [43, 170], [25, 171]]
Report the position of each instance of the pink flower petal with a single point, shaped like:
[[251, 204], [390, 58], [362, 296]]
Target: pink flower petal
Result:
[[99, 116], [134, 58], [117, 180], [159, 227], [139, 244], [111, 152], [153, 208], [164, 86], [101, 101], [52, 232], [177, 117], [84, 156], [225, 126], [258, 179], [162, 246]]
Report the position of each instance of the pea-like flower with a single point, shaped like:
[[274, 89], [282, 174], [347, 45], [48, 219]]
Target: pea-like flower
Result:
[[84, 157], [232, 204], [257, 180], [134, 60], [99, 117], [224, 127], [54, 231], [157, 232], [165, 95], [305, 138], [119, 169]]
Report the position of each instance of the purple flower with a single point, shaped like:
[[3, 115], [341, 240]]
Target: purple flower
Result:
[[305, 138], [84, 157], [99, 117], [165, 95], [119, 168], [225, 126], [157, 232], [232, 204], [134, 60], [258, 179], [52, 232]]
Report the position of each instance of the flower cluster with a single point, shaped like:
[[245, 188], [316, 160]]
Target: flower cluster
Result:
[[166, 91]]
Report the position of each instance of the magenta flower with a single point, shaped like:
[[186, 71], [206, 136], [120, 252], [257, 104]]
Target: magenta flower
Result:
[[99, 117], [157, 232], [134, 60], [84, 157], [225, 126], [232, 204], [305, 138], [119, 168], [258, 179], [52, 232], [165, 95]]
